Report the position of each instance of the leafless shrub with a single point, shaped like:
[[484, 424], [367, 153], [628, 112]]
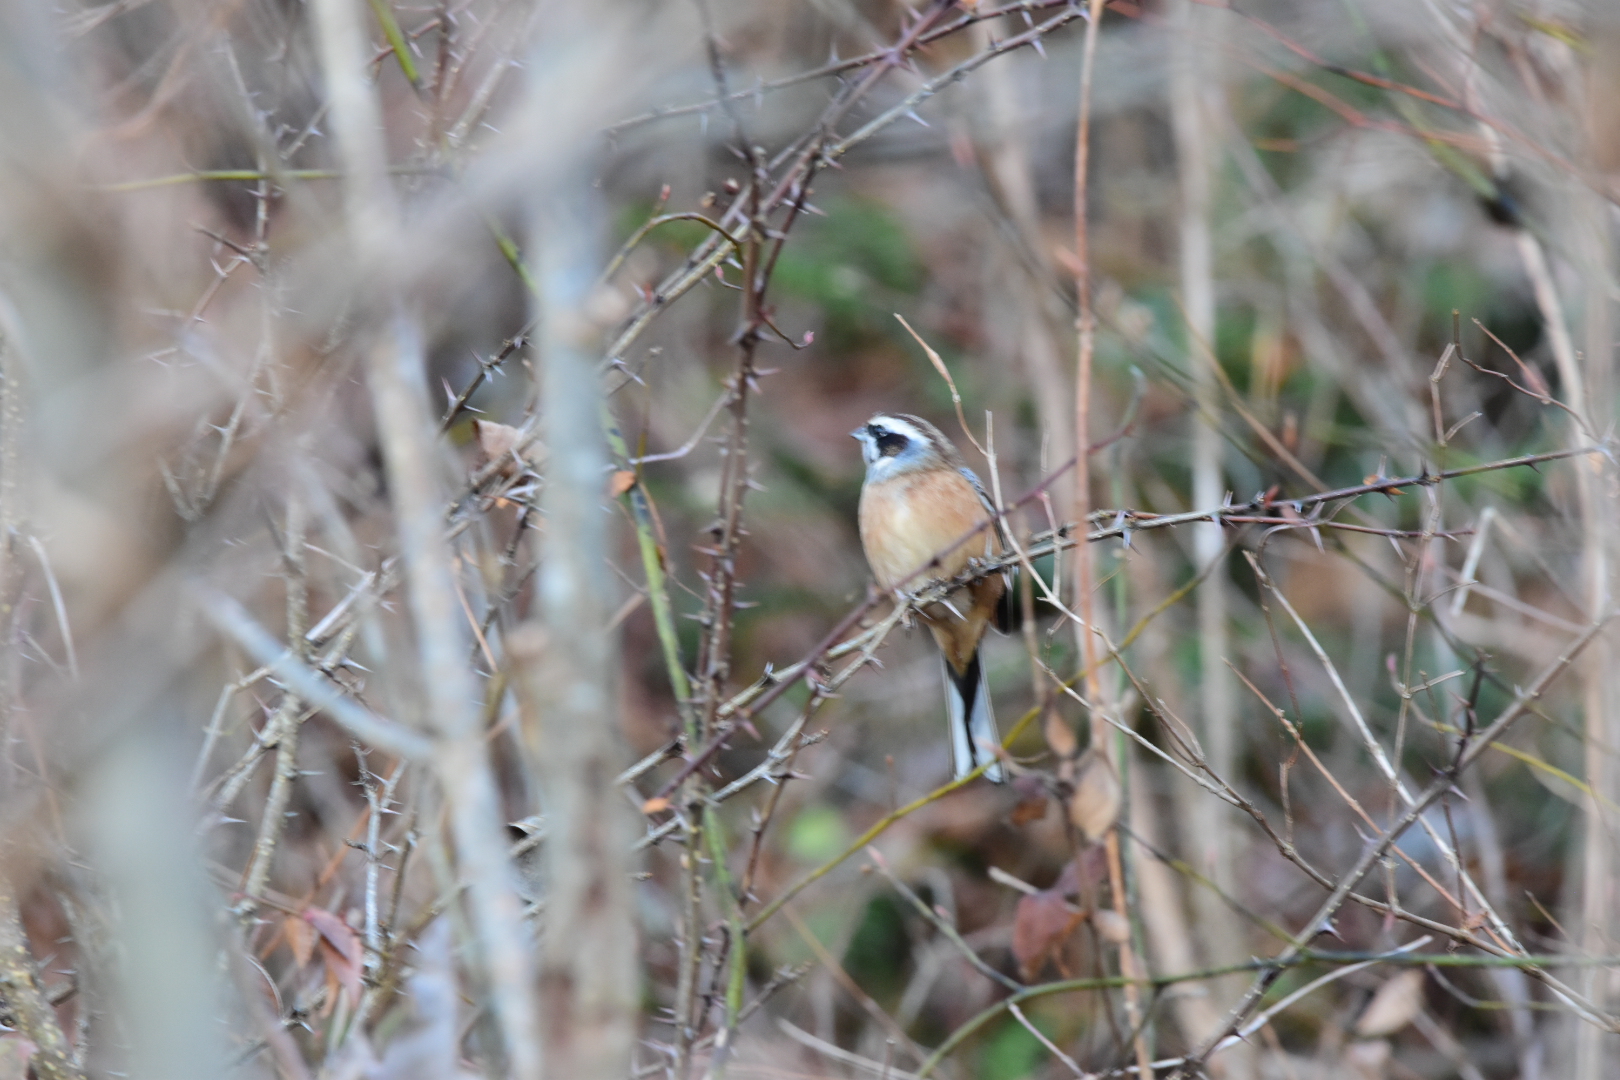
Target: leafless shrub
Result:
[[436, 642]]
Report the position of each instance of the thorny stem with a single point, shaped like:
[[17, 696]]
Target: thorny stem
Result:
[[714, 651], [1432, 794], [23, 998], [285, 724]]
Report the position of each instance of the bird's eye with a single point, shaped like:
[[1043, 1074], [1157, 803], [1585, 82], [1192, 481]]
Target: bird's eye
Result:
[[890, 443]]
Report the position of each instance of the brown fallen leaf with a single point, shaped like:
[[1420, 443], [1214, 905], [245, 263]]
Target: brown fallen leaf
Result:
[[503, 441], [1059, 735], [495, 440], [1032, 799], [1369, 1059], [1094, 806], [1393, 1006], [1084, 873], [1111, 926], [1042, 923]]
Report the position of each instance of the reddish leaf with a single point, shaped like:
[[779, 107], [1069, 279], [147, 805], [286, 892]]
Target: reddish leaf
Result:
[[1082, 873], [340, 949], [1088, 869], [1032, 799], [1042, 924], [1068, 882]]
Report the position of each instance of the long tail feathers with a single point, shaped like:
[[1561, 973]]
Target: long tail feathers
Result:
[[973, 724]]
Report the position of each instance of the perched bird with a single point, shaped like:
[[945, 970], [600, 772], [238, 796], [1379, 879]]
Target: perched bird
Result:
[[919, 498]]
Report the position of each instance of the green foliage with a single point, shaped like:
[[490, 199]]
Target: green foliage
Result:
[[817, 833], [855, 265], [878, 952], [1234, 335], [1011, 1053]]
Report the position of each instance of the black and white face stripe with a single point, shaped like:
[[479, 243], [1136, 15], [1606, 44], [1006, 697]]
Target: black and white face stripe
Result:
[[889, 444]]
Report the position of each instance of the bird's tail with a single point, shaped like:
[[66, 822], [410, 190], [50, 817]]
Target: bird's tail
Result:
[[973, 724]]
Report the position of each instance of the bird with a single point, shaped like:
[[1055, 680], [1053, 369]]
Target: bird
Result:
[[919, 498]]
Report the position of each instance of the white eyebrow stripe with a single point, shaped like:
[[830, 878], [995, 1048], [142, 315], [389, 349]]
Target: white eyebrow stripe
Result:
[[897, 426]]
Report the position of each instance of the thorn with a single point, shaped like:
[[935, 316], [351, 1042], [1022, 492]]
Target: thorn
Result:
[[1036, 43], [913, 114]]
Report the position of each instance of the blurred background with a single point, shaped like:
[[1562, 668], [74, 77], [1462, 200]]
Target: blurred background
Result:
[[413, 415]]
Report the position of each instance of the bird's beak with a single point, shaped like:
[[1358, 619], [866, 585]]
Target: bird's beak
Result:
[[857, 433]]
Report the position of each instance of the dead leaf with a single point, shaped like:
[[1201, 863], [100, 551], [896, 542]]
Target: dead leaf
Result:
[[1111, 926], [498, 441], [1094, 806], [340, 950], [1368, 1060], [300, 938], [1042, 923], [620, 482], [495, 440], [1032, 799], [15, 1052], [1087, 870], [1060, 736], [1393, 1006]]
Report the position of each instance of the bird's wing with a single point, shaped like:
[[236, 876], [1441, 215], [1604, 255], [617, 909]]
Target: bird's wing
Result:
[[989, 507]]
